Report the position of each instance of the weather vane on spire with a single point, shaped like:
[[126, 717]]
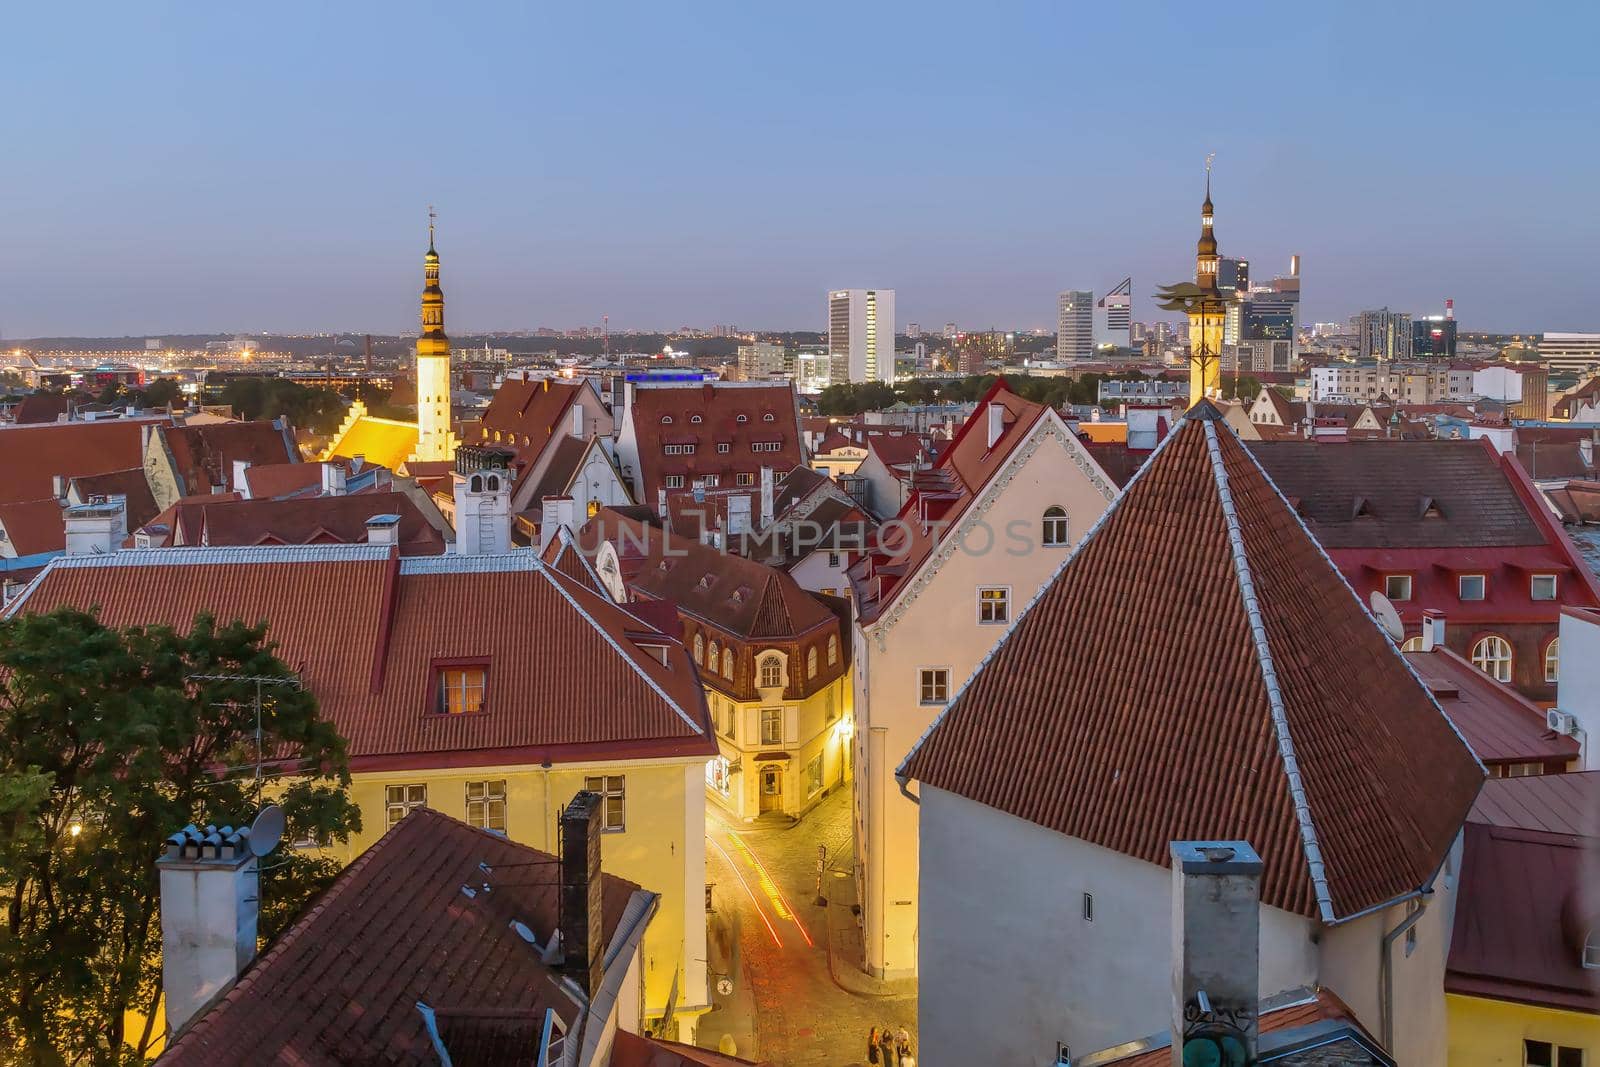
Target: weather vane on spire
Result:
[[434, 214]]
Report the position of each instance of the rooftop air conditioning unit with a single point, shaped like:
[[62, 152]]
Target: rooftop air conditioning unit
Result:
[[1560, 722]]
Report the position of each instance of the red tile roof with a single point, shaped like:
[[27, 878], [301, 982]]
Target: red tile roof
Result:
[[315, 520], [1500, 724], [566, 680], [898, 449], [30, 456], [1529, 894], [942, 492], [37, 408], [1320, 1006], [631, 1050], [1199, 670], [130, 484], [523, 416], [342, 984], [33, 526], [204, 455], [767, 413]]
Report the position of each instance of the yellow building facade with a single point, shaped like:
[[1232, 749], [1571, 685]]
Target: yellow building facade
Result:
[[776, 756], [1493, 1033]]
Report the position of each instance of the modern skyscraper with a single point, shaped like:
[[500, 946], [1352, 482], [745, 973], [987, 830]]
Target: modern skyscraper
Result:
[[1434, 336], [1233, 274], [1113, 314], [950, 331], [861, 335], [1383, 334], [1075, 325], [434, 439]]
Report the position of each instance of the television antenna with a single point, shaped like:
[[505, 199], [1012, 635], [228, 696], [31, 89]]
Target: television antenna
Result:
[[261, 680]]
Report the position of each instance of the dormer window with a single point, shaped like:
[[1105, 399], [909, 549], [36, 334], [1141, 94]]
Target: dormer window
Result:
[[769, 417], [695, 419], [742, 419], [1543, 587], [1397, 586], [706, 580], [460, 690], [771, 672], [666, 420]]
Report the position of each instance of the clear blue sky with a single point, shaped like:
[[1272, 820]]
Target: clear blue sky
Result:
[[200, 167]]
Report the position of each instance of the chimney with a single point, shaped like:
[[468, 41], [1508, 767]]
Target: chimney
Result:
[[210, 891], [58, 486], [1216, 944], [333, 479], [997, 422], [238, 482], [383, 530], [1432, 629], [577, 420], [97, 528], [768, 485], [555, 512], [582, 947]]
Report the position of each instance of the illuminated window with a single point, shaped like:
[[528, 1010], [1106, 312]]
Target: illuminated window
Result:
[[699, 650], [613, 794], [933, 684], [994, 606], [727, 663], [814, 775], [486, 805], [1544, 587], [811, 663], [717, 774], [1552, 660], [1470, 586], [713, 658], [401, 799], [1055, 526], [594, 508], [771, 671], [833, 649], [1492, 656], [673, 481], [772, 726], [1397, 586], [461, 690], [745, 479]]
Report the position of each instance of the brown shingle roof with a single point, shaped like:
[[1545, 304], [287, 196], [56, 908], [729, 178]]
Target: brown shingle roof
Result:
[[1199, 670], [719, 408], [1476, 504], [304, 521], [30, 456], [205, 454], [362, 626], [342, 984], [33, 526]]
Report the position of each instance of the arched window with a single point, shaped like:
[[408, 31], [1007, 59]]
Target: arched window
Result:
[[695, 419], [1055, 526], [727, 663], [666, 420], [768, 417], [492, 483], [1591, 950], [742, 419], [811, 662], [699, 649], [1492, 656], [771, 671], [833, 649], [476, 485], [711, 658], [1552, 660], [1412, 644]]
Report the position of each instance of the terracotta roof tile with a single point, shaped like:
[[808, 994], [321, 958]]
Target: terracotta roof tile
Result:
[[30, 456], [342, 984], [303, 521], [205, 454], [32, 526], [720, 408], [131, 484], [1321, 1006], [566, 680], [36, 408], [1500, 724], [1199, 670]]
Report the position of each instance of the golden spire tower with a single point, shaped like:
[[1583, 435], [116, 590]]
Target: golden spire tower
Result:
[[434, 439], [1205, 305]]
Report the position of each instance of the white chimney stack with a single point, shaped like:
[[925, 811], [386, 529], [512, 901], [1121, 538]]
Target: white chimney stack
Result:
[[97, 528], [238, 483], [1216, 942], [768, 485], [483, 504], [556, 512], [383, 530], [997, 422], [210, 894], [333, 479], [1432, 629]]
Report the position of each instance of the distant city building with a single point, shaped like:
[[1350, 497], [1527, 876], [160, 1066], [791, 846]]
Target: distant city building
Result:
[[761, 359], [950, 331], [1233, 274], [1383, 334], [1075, 325], [914, 330], [861, 335], [1418, 383], [1113, 316], [1137, 332], [1570, 353], [1434, 336]]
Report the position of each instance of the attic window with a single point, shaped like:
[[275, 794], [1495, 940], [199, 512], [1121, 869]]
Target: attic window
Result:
[[742, 419], [769, 417], [739, 595], [460, 690], [695, 419], [706, 580], [664, 566], [1431, 509], [666, 420], [1362, 509]]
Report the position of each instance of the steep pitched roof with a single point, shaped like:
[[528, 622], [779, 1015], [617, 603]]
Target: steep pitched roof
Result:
[[304, 521], [32, 526], [36, 408], [523, 416], [31, 456], [386, 442], [205, 454], [342, 984], [896, 449], [566, 679], [130, 484], [738, 415], [1199, 670]]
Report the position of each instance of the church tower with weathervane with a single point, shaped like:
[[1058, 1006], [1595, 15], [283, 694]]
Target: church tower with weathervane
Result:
[[1206, 307], [434, 439]]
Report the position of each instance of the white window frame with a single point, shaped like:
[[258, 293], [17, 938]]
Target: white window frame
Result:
[[672, 481], [1533, 587], [773, 662], [445, 691], [610, 787], [1483, 587], [400, 800], [833, 649], [744, 480], [939, 677], [1503, 665], [811, 662], [1003, 602], [489, 806], [1056, 530], [1552, 660], [814, 775], [1388, 586], [775, 717], [723, 448]]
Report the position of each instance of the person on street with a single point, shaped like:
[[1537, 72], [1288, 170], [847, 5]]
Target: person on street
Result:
[[886, 1046], [902, 1046], [872, 1046]]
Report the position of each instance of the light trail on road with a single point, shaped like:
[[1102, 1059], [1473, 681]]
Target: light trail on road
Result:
[[734, 867], [780, 902]]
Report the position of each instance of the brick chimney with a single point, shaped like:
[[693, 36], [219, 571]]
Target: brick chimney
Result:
[[582, 938], [210, 896], [1216, 944]]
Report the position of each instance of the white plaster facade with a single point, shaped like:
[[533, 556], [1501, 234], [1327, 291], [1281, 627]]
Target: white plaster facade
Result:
[[1010, 965], [933, 623], [1578, 680]]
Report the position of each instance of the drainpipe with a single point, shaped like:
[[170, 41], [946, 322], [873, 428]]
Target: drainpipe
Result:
[[1386, 967], [546, 776]]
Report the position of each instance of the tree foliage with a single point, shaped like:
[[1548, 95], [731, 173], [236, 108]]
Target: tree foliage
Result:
[[108, 744], [318, 410]]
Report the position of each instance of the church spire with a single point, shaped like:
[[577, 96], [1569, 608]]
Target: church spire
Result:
[[1205, 260], [434, 438]]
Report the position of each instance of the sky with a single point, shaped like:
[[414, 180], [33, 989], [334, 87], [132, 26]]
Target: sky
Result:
[[185, 167]]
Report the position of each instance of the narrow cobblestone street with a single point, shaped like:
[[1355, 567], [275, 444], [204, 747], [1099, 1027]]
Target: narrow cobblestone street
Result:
[[771, 939]]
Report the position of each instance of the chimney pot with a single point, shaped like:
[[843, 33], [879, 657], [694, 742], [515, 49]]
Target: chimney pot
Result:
[[1216, 938], [210, 889]]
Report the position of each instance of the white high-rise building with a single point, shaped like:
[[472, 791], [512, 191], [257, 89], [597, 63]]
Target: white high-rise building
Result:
[[861, 335], [1114, 315], [1075, 325], [1570, 353]]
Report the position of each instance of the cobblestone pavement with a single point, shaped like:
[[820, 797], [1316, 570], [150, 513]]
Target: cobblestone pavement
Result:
[[785, 1001]]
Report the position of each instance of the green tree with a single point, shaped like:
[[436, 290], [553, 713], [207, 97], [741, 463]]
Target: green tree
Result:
[[109, 742], [852, 398], [161, 393], [319, 410]]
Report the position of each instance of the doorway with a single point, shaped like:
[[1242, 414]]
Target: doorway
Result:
[[771, 789]]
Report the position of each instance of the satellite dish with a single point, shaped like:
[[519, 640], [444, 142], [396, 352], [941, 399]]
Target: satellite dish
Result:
[[1387, 617], [267, 830]]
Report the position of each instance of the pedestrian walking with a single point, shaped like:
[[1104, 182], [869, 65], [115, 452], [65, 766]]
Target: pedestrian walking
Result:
[[872, 1046], [902, 1047], [886, 1046]]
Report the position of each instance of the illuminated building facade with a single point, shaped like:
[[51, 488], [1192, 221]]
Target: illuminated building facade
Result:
[[1075, 325], [861, 335], [434, 439]]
